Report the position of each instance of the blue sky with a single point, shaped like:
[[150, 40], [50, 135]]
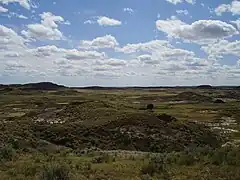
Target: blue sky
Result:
[[120, 43]]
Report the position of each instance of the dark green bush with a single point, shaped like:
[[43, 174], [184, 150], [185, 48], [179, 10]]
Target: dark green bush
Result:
[[7, 152], [150, 106]]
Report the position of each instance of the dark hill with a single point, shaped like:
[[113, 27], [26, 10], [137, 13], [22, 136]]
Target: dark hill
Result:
[[99, 124], [133, 131], [205, 87], [41, 86]]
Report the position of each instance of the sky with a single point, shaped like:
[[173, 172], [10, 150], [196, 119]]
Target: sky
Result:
[[120, 43]]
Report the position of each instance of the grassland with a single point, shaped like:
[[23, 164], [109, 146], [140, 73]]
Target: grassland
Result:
[[109, 134]]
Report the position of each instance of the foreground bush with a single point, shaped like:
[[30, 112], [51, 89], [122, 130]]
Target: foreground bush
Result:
[[55, 171]]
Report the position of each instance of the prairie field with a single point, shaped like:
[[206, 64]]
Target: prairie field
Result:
[[119, 133]]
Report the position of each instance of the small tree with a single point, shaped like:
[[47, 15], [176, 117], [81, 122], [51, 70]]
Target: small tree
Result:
[[150, 107]]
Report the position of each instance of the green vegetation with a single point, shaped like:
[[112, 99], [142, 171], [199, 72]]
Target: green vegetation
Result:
[[65, 134]]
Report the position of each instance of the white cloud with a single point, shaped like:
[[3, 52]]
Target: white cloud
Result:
[[180, 1], [236, 23], [147, 59], [107, 41], [106, 21], [22, 16], [9, 39], [13, 14], [84, 55], [47, 30], [50, 20], [129, 10], [89, 22], [198, 31], [10, 54], [143, 63], [23, 3], [67, 22], [185, 12], [115, 62], [169, 26], [41, 32], [222, 47], [3, 10], [150, 46], [45, 51], [13, 65], [111, 62], [234, 8]]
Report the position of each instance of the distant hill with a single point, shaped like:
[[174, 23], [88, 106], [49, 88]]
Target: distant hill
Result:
[[205, 87], [32, 86], [41, 86]]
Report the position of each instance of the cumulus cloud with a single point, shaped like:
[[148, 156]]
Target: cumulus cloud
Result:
[[45, 51], [185, 12], [150, 60], [13, 14], [180, 1], [222, 47], [198, 31], [84, 55], [47, 30], [236, 23], [234, 8], [11, 54], [89, 22], [116, 62], [106, 21], [147, 59], [22, 16], [14, 65], [9, 39], [3, 10], [157, 52], [150, 46], [23, 3], [41, 32], [107, 41], [128, 10], [50, 20]]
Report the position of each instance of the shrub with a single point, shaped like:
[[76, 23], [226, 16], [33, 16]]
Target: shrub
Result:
[[219, 101], [55, 171], [105, 158], [154, 166], [150, 106], [166, 118], [225, 155], [186, 159], [7, 153]]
